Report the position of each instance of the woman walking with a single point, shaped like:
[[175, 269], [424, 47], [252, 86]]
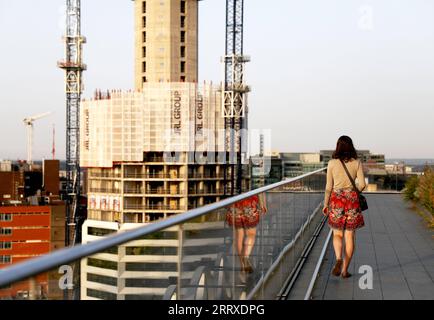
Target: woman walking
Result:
[[341, 202]]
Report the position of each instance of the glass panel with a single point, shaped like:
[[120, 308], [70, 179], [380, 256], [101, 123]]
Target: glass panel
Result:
[[246, 250]]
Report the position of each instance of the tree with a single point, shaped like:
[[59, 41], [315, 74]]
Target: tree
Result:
[[425, 190], [410, 191]]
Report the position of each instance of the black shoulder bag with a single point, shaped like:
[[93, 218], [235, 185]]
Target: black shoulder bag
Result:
[[362, 200]]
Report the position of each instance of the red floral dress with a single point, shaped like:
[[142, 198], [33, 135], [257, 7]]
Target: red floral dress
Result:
[[344, 210], [244, 214]]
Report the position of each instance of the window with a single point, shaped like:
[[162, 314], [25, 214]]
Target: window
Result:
[[101, 294], [144, 67], [144, 6], [167, 235], [103, 264], [99, 231], [182, 78], [144, 36], [5, 217], [182, 21], [102, 279], [182, 51], [149, 251], [182, 66], [182, 6], [160, 267], [144, 79], [144, 22], [144, 52], [5, 259], [147, 283], [182, 36], [5, 231], [5, 245]]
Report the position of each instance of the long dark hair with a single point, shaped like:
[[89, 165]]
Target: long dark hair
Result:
[[345, 149]]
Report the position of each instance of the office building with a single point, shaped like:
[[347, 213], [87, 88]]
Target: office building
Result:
[[28, 232], [265, 170], [295, 164]]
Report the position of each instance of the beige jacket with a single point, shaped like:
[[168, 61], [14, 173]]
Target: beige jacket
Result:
[[338, 179]]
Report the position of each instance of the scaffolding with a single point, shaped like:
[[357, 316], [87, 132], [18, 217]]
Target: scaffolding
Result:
[[163, 117]]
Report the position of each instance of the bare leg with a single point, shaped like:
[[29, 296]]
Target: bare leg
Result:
[[249, 241], [239, 239], [337, 243], [349, 250]]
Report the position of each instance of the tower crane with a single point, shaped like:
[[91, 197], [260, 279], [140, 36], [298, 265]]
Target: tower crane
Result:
[[235, 92], [28, 122], [74, 68]]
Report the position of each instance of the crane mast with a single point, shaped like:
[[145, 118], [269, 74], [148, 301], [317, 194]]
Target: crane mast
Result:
[[74, 68], [28, 122], [234, 96]]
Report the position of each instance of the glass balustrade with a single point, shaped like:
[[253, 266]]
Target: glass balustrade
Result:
[[244, 250]]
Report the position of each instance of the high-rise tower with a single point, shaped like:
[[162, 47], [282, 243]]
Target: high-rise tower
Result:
[[166, 41], [151, 154]]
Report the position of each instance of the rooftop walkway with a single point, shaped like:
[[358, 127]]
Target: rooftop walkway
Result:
[[397, 245]]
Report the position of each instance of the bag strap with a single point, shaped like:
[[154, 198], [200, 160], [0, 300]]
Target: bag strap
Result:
[[350, 177]]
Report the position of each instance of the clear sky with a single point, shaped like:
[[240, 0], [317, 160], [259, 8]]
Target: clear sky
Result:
[[319, 69]]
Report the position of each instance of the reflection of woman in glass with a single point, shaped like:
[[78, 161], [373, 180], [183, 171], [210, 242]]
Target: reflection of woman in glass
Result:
[[244, 217]]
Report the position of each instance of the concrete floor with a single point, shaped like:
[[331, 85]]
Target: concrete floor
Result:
[[397, 245]]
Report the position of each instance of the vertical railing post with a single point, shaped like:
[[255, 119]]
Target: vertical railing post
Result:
[[179, 263]]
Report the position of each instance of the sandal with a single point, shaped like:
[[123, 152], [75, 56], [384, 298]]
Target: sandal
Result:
[[346, 275], [337, 268], [247, 266]]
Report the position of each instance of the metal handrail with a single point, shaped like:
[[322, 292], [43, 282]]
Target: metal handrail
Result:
[[64, 256], [308, 294], [105, 190], [147, 176], [105, 175]]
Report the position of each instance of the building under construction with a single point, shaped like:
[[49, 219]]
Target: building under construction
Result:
[[152, 153], [166, 41]]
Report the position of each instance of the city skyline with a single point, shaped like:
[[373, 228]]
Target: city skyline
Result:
[[180, 186], [335, 54]]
